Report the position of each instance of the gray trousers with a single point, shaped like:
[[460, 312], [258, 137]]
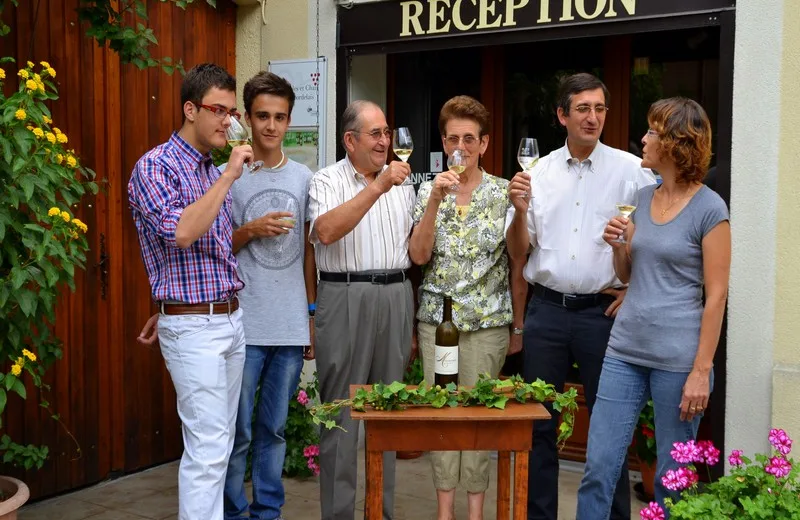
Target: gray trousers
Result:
[[363, 336]]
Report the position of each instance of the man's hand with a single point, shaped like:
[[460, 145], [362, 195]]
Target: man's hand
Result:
[[613, 308], [269, 225], [442, 183], [615, 229], [519, 189], [393, 175], [149, 333], [308, 351], [514, 344], [239, 156]]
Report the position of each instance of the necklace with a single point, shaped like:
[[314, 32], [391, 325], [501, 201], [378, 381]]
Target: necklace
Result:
[[279, 162], [664, 211]]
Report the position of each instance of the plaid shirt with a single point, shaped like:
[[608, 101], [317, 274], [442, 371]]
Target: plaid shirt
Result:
[[166, 179]]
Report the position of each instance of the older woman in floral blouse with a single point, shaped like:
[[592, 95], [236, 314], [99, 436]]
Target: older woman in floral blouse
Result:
[[460, 238]]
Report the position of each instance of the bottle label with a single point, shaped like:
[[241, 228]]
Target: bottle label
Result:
[[445, 360]]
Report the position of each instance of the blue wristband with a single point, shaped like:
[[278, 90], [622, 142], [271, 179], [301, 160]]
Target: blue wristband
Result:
[[312, 307]]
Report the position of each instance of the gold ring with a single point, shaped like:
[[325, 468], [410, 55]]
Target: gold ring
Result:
[[693, 409]]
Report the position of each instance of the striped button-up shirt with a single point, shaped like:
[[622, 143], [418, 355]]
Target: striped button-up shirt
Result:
[[166, 179], [379, 241]]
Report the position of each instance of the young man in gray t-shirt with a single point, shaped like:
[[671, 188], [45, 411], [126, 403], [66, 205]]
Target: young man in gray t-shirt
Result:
[[276, 263]]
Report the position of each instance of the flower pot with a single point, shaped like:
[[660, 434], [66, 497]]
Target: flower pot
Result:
[[648, 477], [13, 494], [408, 455]]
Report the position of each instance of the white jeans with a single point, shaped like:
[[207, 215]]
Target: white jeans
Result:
[[205, 358]]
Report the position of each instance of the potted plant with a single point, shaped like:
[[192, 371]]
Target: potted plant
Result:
[[768, 487], [302, 435], [42, 245], [644, 445], [413, 376]]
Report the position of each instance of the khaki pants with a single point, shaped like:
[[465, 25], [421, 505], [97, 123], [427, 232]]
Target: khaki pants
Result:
[[479, 352]]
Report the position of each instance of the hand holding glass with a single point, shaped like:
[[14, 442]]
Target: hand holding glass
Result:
[[456, 164], [527, 156], [289, 207], [403, 145], [627, 201], [237, 136]]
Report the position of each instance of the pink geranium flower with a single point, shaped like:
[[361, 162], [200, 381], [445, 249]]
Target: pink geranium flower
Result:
[[685, 452], [735, 458], [302, 397], [780, 441], [679, 479], [708, 453], [652, 512], [311, 451], [778, 466]]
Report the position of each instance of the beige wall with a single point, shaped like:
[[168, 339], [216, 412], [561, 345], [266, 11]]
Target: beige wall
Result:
[[786, 379]]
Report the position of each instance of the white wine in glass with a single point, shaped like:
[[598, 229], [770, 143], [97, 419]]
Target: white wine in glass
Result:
[[457, 164], [403, 145], [627, 196], [527, 156], [237, 136]]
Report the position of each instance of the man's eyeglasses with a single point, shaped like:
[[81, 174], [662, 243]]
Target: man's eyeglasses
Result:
[[376, 134], [468, 140], [583, 110], [220, 112]]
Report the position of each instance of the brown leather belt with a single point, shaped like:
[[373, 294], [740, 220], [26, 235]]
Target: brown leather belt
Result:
[[199, 308]]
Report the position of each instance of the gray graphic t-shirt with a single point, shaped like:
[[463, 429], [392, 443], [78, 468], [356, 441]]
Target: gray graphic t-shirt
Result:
[[273, 300]]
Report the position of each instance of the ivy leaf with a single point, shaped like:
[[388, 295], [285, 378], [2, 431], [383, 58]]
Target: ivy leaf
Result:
[[396, 386]]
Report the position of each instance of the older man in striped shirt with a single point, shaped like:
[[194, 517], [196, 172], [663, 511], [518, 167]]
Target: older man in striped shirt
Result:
[[182, 210], [360, 226]]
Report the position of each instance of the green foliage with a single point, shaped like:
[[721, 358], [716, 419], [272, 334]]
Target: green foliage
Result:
[[109, 22], [301, 432], [41, 243], [644, 438], [414, 374], [492, 393]]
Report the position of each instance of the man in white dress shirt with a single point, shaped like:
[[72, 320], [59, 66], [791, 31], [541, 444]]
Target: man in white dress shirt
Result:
[[576, 293], [360, 227]]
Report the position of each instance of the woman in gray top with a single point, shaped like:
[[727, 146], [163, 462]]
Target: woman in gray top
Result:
[[662, 345]]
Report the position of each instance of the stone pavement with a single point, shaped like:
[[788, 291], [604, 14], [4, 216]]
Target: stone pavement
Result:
[[153, 494]]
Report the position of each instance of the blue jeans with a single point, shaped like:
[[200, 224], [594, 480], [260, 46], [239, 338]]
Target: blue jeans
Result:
[[624, 389], [277, 370]]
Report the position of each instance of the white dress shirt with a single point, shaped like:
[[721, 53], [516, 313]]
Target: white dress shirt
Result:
[[379, 241], [571, 206]]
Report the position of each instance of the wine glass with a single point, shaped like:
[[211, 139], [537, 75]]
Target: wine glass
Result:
[[289, 207], [237, 135], [403, 145], [527, 156], [457, 164], [626, 204]]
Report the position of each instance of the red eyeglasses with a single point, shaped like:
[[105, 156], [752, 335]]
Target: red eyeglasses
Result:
[[220, 112]]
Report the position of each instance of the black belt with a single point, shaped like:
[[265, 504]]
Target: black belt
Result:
[[571, 301], [373, 278]]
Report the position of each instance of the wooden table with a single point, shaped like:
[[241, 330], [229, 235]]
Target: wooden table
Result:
[[454, 429]]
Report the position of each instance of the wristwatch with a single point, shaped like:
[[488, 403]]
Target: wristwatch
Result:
[[312, 309], [517, 331]]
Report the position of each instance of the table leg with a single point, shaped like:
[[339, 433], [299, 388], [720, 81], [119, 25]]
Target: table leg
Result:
[[520, 485], [374, 491], [504, 485]]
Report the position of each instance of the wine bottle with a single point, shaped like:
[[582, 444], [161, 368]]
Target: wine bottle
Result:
[[446, 350]]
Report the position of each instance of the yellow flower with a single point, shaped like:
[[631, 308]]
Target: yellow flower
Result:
[[28, 354], [62, 138], [57, 130], [73, 234], [71, 162], [52, 212], [2, 74], [65, 216], [45, 65], [31, 85], [38, 132], [49, 121], [23, 74], [50, 136], [41, 87], [21, 361], [37, 78], [80, 225], [20, 114], [16, 369], [52, 72], [30, 127], [59, 158], [30, 64]]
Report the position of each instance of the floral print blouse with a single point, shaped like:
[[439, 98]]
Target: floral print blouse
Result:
[[469, 261]]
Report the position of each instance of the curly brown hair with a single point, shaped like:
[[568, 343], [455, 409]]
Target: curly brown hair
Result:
[[465, 107], [684, 132]]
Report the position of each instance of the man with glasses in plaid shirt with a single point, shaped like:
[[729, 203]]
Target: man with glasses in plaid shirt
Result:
[[182, 210]]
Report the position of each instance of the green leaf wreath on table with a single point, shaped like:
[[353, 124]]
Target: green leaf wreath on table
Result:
[[492, 393]]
